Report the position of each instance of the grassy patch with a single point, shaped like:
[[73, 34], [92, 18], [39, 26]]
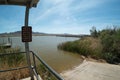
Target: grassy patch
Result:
[[45, 74], [86, 46], [18, 60], [12, 61]]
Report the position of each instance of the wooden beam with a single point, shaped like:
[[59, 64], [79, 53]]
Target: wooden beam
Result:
[[31, 3], [6, 1]]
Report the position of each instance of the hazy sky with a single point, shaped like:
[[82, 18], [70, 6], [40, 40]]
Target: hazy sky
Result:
[[62, 16]]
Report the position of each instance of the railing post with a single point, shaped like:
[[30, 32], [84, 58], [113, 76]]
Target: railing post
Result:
[[34, 67], [27, 44], [48, 67], [34, 62]]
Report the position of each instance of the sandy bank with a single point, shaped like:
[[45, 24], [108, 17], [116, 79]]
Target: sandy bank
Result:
[[89, 70]]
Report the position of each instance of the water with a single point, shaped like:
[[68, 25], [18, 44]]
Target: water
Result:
[[46, 47]]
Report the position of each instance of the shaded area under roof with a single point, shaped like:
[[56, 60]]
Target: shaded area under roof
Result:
[[32, 3]]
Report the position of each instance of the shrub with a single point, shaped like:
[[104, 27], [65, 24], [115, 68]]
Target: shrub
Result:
[[110, 39], [86, 46], [104, 44]]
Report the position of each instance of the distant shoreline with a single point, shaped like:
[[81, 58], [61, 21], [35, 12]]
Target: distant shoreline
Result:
[[58, 35]]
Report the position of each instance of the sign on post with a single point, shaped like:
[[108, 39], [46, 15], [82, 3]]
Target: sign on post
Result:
[[26, 34]]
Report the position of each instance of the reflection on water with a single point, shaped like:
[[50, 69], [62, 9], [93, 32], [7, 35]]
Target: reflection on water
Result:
[[46, 47]]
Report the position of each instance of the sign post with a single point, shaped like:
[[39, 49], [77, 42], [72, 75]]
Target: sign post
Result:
[[27, 37]]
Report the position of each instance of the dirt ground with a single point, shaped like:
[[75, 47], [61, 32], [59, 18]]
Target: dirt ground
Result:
[[92, 70]]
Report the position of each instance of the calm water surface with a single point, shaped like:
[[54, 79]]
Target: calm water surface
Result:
[[46, 47]]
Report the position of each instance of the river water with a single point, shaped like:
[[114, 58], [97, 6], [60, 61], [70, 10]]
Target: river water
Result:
[[46, 47]]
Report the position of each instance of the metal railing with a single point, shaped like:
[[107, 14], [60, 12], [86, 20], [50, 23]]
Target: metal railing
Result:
[[34, 66], [47, 66]]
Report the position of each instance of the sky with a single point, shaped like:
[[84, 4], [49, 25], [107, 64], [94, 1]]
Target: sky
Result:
[[62, 16]]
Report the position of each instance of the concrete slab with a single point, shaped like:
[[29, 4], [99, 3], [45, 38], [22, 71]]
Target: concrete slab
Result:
[[93, 71], [34, 78]]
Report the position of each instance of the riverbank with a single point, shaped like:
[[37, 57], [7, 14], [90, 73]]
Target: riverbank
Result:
[[87, 46], [91, 70], [104, 44]]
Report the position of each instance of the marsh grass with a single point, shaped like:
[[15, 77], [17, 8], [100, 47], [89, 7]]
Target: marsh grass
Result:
[[13, 75], [12, 61], [87, 46], [14, 58], [18, 60]]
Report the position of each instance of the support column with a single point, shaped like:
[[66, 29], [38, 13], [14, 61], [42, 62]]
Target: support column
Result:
[[27, 44]]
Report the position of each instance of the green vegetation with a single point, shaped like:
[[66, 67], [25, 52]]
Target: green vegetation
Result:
[[104, 44], [44, 73], [18, 60], [87, 46], [12, 61]]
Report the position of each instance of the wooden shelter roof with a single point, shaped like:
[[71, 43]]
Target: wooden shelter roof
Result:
[[32, 3]]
